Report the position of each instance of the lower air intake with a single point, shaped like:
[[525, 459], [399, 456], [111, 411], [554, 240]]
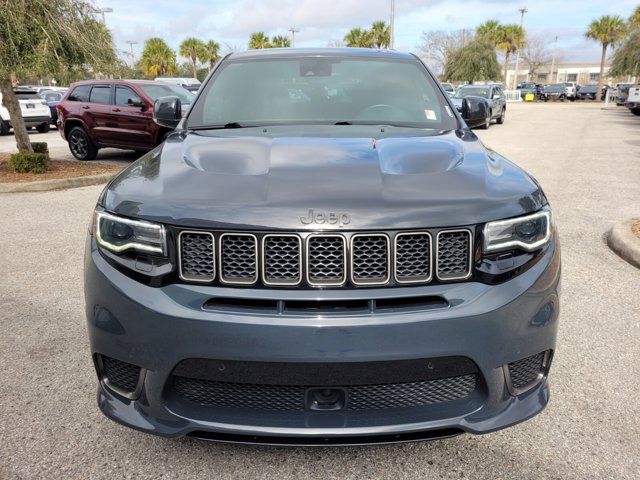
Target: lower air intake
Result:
[[528, 371], [122, 375]]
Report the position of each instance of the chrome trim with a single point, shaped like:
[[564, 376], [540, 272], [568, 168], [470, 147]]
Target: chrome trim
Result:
[[102, 375], [264, 260], [344, 260], [529, 247], [351, 263], [544, 370], [255, 253], [213, 256], [395, 257], [470, 267]]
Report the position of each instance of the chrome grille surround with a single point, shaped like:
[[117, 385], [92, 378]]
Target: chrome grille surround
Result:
[[201, 260], [464, 274], [314, 276], [377, 261], [246, 261], [272, 277], [413, 258]]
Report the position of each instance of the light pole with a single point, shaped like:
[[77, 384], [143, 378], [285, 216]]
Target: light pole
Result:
[[523, 10], [131, 44], [553, 59], [293, 31], [391, 23], [103, 11]]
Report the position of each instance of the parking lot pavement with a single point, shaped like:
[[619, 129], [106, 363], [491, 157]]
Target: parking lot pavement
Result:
[[59, 149], [588, 161]]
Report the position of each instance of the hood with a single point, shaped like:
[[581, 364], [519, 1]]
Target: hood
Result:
[[294, 178]]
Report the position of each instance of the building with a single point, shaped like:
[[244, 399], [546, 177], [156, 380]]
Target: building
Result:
[[581, 73]]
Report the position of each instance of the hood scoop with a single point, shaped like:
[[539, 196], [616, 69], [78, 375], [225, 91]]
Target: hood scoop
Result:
[[230, 156], [418, 156]]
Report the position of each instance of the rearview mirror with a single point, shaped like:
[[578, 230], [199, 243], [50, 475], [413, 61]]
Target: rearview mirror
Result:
[[167, 111], [474, 111]]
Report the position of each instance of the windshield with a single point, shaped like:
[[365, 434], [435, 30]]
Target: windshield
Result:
[[321, 90], [560, 87], [156, 91], [472, 91], [588, 88]]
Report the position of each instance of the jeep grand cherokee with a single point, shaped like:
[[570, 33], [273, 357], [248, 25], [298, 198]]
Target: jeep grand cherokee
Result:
[[321, 253]]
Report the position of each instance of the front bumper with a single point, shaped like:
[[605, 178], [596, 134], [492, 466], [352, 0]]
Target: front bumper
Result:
[[157, 328]]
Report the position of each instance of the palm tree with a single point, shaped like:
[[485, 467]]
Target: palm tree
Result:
[[608, 30], [192, 48], [380, 34], [510, 39], [358, 38], [259, 40], [210, 53], [280, 41], [157, 58], [634, 19], [489, 31]]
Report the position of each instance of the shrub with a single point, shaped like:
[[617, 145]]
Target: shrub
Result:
[[40, 147], [29, 162]]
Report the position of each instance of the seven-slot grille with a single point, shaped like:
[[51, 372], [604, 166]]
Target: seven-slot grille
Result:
[[325, 259]]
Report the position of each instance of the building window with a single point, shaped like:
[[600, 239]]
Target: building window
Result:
[[572, 77], [542, 77], [594, 77]]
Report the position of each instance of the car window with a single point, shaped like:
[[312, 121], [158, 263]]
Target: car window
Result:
[[27, 96], [322, 90], [123, 94], [156, 91], [52, 97], [100, 94], [80, 93], [472, 91]]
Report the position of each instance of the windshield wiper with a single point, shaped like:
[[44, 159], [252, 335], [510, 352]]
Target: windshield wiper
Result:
[[344, 122], [221, 126]]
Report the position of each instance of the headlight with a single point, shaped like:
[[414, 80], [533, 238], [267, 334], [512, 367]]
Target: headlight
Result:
[[528, 233], [120, 234]]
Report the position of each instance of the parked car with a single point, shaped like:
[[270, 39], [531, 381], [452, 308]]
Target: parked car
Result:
[[633, 100], [35, 112], [557, 91], [571, 90], [622, 92], [52, 98], [494, 99], [448, 88], [528, 87], [191, 84], [305, 271], [114, 113], [588, 92]]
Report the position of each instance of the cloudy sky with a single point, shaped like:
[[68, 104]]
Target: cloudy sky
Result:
[[231, 22]]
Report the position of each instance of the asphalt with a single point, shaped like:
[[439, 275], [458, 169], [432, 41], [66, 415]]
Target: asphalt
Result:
[[588, 161]]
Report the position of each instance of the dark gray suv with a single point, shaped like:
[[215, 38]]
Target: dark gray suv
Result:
[[321, 253]]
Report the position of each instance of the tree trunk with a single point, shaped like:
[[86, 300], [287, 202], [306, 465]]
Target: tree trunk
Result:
[[193, 66], [10, 102], [506, 65], [601, 77]]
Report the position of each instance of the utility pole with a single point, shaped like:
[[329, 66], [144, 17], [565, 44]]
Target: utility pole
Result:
[[523, 10], [553, 60], [103, 11], [131, 44], [293, 31], [391, 23]]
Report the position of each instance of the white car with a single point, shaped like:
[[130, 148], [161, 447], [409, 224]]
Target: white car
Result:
[[35, 112], [633, 100], [191, 84], [572, 90]]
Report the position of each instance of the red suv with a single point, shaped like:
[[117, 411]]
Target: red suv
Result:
[[114, 113]]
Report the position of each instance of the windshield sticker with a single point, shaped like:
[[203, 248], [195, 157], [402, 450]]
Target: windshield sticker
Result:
[[430, 114], [448, 109]]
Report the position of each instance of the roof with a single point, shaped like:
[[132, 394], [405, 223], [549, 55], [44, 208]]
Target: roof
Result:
[[122, 80], [329, 52]]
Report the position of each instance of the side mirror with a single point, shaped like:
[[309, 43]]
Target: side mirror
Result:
[[136, 102], [496, 96], [167, 111], [474, 111]]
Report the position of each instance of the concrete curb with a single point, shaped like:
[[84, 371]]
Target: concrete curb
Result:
[[56, 184], [623, 241]]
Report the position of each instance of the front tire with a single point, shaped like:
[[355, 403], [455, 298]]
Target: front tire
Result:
[[635, 111], [487, 122], [44, 128], [4, 127], [81, 145], [500, 119]]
